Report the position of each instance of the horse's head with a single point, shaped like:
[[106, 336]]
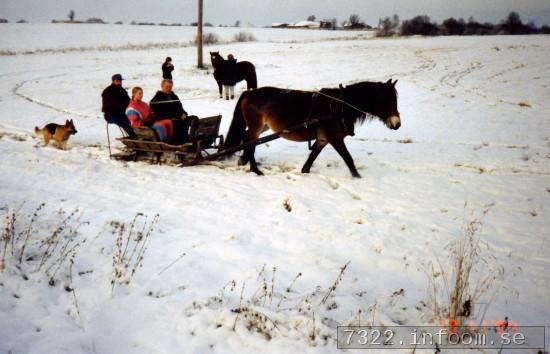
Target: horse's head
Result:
[[215, 58], [388, 101], [377, 98]]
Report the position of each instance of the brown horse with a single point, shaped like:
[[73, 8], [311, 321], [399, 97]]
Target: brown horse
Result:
[[332, 113]]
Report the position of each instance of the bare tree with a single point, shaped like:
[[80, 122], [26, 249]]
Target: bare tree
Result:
[[71, 15], [311, 18], [354, 20], [388, 27], [514, 25]]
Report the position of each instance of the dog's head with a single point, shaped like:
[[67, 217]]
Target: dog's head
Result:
[[69, 125]]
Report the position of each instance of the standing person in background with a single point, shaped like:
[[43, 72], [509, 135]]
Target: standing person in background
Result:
[[230, 76], [115, 100], [167, 68]]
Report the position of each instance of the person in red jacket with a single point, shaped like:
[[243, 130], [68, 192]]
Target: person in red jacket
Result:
[[139, 114]]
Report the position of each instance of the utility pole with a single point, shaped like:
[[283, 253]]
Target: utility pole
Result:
[[199, 37]]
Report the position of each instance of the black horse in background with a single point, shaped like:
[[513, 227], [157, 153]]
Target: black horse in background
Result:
[[245, 71], [283, 109]]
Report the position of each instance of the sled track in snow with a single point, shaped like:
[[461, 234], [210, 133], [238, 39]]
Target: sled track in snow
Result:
[[16, 90], [453, 79], [31, 99]]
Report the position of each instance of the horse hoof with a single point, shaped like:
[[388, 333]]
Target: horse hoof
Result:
[[257, 172], [242, 162], [356, 175], [304, 170]]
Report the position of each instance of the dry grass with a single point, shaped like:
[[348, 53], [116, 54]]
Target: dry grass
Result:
[[469, 275], [266, 308], [28, 247], [244, 37], [209, 38], [100, 48], [132, 240]]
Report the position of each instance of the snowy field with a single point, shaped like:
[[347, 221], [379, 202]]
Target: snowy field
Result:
[[242, 264]]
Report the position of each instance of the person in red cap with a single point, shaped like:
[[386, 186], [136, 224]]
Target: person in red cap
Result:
[[115, 100]]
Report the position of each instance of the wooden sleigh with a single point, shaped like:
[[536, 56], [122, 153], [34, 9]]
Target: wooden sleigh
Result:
[[204, 136]]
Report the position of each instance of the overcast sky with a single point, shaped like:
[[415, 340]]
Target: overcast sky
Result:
[[264, 12]]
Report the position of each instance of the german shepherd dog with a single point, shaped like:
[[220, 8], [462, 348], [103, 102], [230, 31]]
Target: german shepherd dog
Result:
[[60, 133]]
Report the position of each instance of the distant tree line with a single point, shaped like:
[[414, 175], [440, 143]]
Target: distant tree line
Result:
[[423, 25], [387, 27], [5, 20], [355, 22]]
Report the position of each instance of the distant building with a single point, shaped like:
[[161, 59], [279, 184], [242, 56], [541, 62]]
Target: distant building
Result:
[[359, 25], [279, 25], [306, 24], [325, 24], [301, 24], [95, 20]]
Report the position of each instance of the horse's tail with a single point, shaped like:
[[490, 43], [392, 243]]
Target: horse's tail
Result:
[[237, 129]]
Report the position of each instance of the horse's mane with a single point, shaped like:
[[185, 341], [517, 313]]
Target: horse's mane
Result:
[[352, 113], [355, 93]]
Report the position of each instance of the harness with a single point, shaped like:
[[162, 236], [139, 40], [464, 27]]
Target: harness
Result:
[[314, 96], [342, 111], [164, 102]]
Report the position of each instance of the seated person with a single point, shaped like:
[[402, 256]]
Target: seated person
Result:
[[115, 100], [140, 115], [167, 105]]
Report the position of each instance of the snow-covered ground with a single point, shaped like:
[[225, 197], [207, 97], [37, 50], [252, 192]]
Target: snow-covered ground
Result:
[[475, 129]]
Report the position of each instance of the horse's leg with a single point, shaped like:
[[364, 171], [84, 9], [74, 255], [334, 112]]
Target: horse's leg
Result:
[[255, 127], [315, 151], [253, 165], [248, 156], [220, 88], [340, 147], [243, 160]]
